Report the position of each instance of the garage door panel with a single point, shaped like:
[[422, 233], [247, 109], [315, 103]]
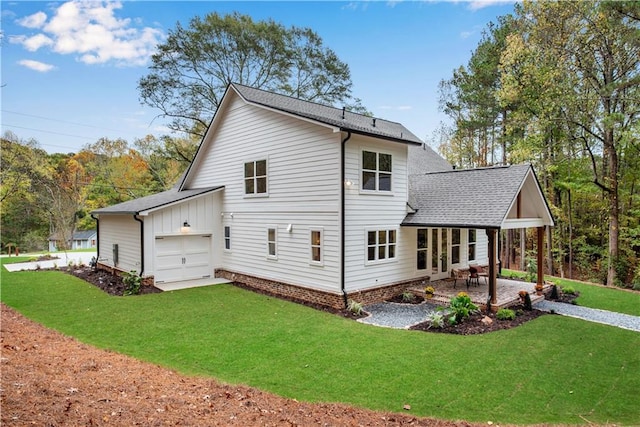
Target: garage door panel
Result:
[[182, 258]]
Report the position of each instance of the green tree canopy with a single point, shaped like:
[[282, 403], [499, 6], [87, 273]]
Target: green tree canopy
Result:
[[191, 70]]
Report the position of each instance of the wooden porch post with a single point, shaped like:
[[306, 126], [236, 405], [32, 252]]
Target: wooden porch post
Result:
[[540, 253], [493, 292]]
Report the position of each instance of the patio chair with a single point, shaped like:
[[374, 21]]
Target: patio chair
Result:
[[459, 274], [474, 274]]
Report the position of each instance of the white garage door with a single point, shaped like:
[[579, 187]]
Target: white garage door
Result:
[[182, 258]]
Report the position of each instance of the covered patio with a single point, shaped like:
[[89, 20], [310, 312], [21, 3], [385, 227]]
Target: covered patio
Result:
[[489, 199], [506, 292]]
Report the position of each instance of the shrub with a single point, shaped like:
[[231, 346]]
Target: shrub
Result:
[[532, 270], [132, 281], [354, 307], [568, 290], [505, 314], [408, 296], [460, 308], [436, 319]]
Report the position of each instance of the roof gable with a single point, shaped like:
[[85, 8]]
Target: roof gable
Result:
[[474, 198], [154, 201], [323, 115]]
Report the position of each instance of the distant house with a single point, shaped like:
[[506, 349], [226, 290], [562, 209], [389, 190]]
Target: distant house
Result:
[[317, 203], [80, 240]]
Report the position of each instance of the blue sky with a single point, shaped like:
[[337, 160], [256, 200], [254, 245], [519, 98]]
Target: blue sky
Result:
[[70, 69]]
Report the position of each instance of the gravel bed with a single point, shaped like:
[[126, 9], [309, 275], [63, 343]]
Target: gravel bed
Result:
[[398, 316], [620, 320]]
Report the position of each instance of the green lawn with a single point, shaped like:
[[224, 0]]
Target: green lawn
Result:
[[551, 370], [596, 296]]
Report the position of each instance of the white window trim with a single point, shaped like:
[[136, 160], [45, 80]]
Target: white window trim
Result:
[[224, 239], [269, 256], [321, 246], [377, 261], [475, 243], [361, 165], [244, 188], [459, 245]]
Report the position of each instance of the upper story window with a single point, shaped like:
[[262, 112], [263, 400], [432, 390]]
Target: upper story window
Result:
[[255, 177], [376, 171]]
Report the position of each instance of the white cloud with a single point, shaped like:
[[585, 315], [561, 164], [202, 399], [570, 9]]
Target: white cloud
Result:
[[466, 34], [33, 21], [36, 65], [93, 32], [36, 42]]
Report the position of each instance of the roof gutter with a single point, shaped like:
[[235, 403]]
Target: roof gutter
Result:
[[137, 218], [342, 219], [97, 235]]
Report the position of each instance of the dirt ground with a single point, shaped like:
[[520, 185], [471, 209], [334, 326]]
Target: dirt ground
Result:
[[49, 379]]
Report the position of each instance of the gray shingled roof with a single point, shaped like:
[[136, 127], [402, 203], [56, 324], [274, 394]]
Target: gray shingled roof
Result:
[[422, 159], [84, 234], [153, 201], [353, 122], [470, 198]]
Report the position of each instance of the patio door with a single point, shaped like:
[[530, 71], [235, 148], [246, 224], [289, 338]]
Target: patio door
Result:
[[433, 254]]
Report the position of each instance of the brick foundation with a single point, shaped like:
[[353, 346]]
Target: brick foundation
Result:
[[146, 281], [333, 300]]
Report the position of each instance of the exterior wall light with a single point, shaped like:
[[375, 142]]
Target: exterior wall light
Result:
[[348, 182], [185, 227]]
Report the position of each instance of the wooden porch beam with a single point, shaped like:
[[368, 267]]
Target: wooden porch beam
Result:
[[493, 287], [540, 253]]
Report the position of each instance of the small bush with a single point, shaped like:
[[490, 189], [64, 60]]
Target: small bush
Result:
[[408, 296], [436, 319], [461, 307], [568, 290], [505, 314], [132, 281], [354, 307]]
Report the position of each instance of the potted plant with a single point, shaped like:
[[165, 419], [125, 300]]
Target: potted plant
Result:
[[429, 291]]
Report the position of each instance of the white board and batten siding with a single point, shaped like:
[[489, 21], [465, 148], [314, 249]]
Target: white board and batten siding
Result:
[[179, 255], [303, 170], [124, 231]]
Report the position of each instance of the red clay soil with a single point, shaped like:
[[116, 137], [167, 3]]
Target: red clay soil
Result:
[[49, 379]]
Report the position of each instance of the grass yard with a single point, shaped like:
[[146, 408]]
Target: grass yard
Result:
[[596, 296], [551, 370]]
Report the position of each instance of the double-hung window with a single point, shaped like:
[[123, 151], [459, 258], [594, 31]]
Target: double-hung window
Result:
[[381, 245], [255, 177], [315, 246], [472, 244], [376, 171], [272, 243], [227, 237], [455, 246]]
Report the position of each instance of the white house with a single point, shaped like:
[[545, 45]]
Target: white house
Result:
[[316, 203], [86, 239]]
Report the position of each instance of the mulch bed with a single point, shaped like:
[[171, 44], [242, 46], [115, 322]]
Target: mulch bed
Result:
[[113, 285]]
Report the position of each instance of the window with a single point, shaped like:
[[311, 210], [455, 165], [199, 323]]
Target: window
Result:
[[227, 237], [422, 243], [316, 246], [255, 177], [272, 243], [376, 171], [381, 245], [472, 245], [455, 246]]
